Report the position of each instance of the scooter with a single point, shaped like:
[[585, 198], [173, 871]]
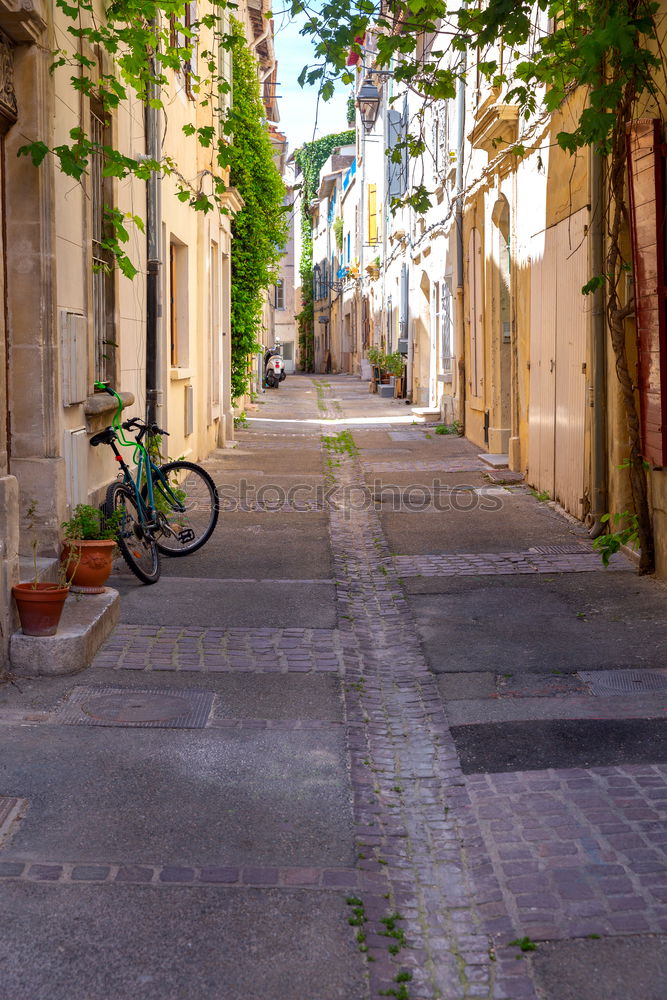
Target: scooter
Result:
[[274, 369]]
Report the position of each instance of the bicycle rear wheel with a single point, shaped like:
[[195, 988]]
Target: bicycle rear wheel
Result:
[[137, 545], [187, 503]]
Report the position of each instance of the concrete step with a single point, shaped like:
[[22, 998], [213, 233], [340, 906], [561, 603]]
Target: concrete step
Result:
[[495, 461], [87, 621]]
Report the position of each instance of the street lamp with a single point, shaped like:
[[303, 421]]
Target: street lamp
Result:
[[368, 102]]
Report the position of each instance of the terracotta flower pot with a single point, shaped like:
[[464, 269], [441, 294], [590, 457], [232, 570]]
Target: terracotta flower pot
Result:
[[88, 564], [40, 606]]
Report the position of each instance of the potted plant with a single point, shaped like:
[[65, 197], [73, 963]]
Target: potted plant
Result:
[[376, 357], [373, 269], [88, 550], [39, 604], [393, 363]]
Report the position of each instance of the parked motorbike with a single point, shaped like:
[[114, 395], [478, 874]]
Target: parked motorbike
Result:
[[274, 368]]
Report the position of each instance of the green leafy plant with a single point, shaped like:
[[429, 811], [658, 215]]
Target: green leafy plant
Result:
[[241, 420], [89, 523], [627, 534], [338, 232], [542, 496], [394, 363], [524, 943], [376, 356]]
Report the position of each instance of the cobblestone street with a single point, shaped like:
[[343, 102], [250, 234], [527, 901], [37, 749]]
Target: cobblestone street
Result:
[[399, 750]]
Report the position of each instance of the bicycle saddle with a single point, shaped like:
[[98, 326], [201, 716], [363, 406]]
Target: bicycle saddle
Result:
[[104, 437]]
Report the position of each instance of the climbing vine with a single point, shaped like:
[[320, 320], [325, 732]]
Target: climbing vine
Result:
[[310, 158], [259, 230]]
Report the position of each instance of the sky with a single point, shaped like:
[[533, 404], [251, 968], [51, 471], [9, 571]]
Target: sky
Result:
[[300, 118]]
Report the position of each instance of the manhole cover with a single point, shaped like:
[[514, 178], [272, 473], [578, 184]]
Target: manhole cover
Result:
[[562, 550], [139, 707], [157, 707], [624, 681]]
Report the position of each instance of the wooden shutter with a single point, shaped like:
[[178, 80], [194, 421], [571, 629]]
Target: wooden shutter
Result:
[[647, 228], [394, 133], [372, 214]]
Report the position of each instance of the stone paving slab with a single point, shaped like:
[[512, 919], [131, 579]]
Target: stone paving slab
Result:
[[539, 630], [268, 797], [465, 712], [591, 970], [560, 742], [173, 942], [220, 602], [574, 851], [461, 464], [504, 563], [194, 649]]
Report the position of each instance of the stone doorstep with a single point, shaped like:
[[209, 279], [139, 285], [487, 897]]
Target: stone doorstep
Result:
[[87, 621], [495, 461]]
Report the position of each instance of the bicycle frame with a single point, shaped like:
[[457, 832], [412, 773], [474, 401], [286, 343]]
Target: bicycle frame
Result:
[[145, 468]]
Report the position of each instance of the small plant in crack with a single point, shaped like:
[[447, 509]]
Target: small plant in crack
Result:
[[524, 943], [393, 931], [400, 991], [358, 919]]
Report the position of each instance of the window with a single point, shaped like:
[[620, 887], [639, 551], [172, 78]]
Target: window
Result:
[[372, 214], [103, 298], [182, 39], [280, 294], [178, 303], [215, 333], [476, 315], [446, 320]]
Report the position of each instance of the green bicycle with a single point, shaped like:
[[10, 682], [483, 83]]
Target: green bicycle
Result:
[[169, 509]]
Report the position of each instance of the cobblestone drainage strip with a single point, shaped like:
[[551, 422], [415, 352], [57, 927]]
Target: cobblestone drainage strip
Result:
[[159, 708], [605, 682], [11, 812]]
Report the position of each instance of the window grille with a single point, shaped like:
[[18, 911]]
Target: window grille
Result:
[[280, 294]]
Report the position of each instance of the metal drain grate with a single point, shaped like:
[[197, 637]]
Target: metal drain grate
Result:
[[152, 708], [624, 681], [562, 550], [11, 812]]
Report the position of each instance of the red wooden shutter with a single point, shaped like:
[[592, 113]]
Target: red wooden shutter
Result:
[[648, 256]]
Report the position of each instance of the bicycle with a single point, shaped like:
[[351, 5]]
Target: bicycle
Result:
[[169, 509]]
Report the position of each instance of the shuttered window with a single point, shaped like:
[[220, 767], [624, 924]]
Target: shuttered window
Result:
[[372, 214]]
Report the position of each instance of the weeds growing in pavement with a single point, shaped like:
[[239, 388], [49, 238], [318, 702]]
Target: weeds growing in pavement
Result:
[[542, 496], [524, 943], [341, 443]]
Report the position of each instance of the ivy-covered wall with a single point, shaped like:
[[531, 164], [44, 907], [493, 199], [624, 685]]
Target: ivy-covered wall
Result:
[[310, 159], [259, 231]]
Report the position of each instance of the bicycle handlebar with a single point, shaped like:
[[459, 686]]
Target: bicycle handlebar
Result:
[[130, 424]]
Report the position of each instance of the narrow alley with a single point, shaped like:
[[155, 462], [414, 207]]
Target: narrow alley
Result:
[[355, 746]]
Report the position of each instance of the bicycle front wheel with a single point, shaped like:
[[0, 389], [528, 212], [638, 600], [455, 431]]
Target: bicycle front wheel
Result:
[[187, 503], [137, 545]]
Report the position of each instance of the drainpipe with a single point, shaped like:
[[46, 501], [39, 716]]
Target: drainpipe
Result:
[[153, 225], [597, 386], [460, 146]]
